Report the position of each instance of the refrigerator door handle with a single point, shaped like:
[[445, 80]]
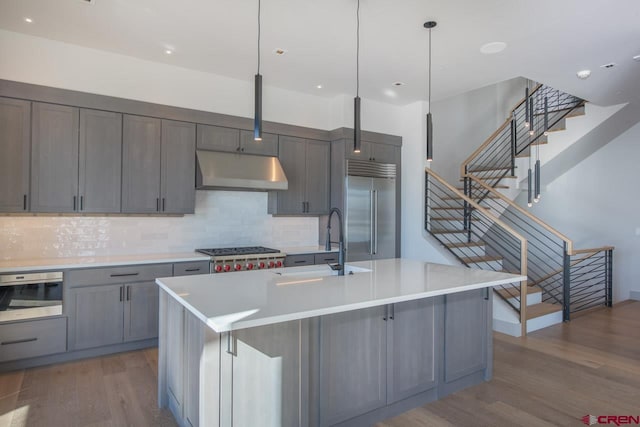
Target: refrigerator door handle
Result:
[[375, 223], [371, 219]]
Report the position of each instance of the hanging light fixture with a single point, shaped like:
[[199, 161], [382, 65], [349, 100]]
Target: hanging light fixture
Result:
[[429, 25], [530, 176], [526, 105], [536, 193], [257, 117], [357, 131]]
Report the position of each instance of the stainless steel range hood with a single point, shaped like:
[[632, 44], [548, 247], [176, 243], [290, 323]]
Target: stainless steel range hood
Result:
[[216, 171]]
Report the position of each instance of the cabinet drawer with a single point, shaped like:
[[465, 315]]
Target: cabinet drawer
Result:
[[127, 274], [298, 260], [327, 258], [35, 338], [191, 268]]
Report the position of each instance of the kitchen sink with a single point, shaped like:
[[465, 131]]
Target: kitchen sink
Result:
[[318, 271]]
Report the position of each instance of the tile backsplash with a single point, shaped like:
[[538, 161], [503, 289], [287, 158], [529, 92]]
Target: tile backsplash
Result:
[[222, 218]]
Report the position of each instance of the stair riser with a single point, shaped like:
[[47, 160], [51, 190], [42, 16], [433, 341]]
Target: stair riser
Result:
[[532, 299]]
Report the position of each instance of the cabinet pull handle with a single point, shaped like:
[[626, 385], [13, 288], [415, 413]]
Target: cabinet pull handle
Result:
[[486, 294], [157, 204], [128, 293], [192, 269], [81, 203], [24, 202], [303, 207], [121, 292], [124, 274], [231, 344], [74, 203], [393, 311], [300, 261], [18, 341], [163, 204], [386, 312]]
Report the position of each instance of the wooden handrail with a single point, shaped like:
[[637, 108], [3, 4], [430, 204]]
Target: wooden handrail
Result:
[[592, 250], [494, 134], [515, 234], [523, 211]]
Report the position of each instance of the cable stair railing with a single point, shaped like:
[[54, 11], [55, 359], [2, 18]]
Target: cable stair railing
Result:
[[480, 247]]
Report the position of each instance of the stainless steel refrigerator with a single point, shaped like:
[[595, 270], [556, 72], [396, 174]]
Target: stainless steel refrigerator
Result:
[[370, 210]]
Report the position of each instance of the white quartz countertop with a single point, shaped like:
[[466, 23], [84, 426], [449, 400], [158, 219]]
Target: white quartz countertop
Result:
[[48, 264], [247, 299], [303, 250]]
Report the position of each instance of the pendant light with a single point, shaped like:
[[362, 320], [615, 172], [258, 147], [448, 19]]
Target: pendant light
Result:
[[257, 117], [530, 176], [357, 131], [526, 105], [429, 25]]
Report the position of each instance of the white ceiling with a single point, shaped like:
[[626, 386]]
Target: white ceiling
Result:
[[548, 40]]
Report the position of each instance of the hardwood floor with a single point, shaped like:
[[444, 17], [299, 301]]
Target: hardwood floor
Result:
[[552, 378]]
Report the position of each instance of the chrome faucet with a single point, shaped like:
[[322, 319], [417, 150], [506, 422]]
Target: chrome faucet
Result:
[[327, 246]]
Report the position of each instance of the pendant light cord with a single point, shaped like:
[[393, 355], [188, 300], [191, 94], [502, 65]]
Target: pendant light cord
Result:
[[358, 49], [259, 31], [429, 95]]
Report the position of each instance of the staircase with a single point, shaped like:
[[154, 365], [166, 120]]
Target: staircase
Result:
[[483, 228]]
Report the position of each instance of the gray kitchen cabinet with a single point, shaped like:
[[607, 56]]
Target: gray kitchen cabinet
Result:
[[141, 159], [306, 164], [141, 311], [100, 162], [372, 151], [349, 388], [95, 316], [178, 186], [192, 348], [217, 138], [299, 260], [25, 339], [465, 334], [175, 356], [15, 144], [267, 147], [412, 348], [54, 158]]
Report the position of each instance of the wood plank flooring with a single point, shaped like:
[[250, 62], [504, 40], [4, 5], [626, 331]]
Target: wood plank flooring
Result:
[[552, 378]]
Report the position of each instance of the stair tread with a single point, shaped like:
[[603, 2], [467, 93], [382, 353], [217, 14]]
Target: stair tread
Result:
[[494, 177], [541, 309], [447, 218], [464, 245], [438, 231], [477, 259], [489, 196], [489, 168], [495, 186]]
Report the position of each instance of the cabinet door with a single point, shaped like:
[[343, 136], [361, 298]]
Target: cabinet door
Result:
[[353, 364], [175, 356], [95, 316], [270, 375], [383, 153], [218, 138], [412, 349], [291, 152], [267, 147], [140, 164], [364, 154], [178, 167], [15, 143], [465, 340], [54, 158], [141, 311], [100, 166], [317, 177]]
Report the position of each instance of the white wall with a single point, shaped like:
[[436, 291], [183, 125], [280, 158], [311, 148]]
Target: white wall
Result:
[[596, 204]]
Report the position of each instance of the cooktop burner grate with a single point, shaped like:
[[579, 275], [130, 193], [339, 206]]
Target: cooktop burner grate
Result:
[[245, 250]]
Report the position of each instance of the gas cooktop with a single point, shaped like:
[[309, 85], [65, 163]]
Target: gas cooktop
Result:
[[245, 250]]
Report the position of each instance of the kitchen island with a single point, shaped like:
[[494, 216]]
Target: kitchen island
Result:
[[302, 346]]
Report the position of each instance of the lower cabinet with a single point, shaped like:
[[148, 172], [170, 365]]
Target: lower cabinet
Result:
[[375, 357], [140, 311], [22, 340]]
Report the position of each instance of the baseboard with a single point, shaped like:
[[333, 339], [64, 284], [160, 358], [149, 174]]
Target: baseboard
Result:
[[509, 328], [635, 295]]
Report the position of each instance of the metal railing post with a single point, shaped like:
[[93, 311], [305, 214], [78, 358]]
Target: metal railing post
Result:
[[566, 285], [609, 278], [513, 145], [427, 223]]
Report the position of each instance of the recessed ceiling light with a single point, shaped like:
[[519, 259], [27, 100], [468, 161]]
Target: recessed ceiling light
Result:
[[583, 74], [168, 51], [636, 58], [279, 51], [398, 83], [493, 47], [609, 65], [318, 86], [28, 20]]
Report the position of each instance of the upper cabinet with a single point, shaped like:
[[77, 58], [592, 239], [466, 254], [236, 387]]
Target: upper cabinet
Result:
[[15, 139], [54, 158], [100, 163], [218, 138], [373, 152], [158, 166], [306, 164]]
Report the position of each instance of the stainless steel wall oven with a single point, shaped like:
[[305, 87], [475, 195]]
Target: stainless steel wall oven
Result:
[[31, 295]]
